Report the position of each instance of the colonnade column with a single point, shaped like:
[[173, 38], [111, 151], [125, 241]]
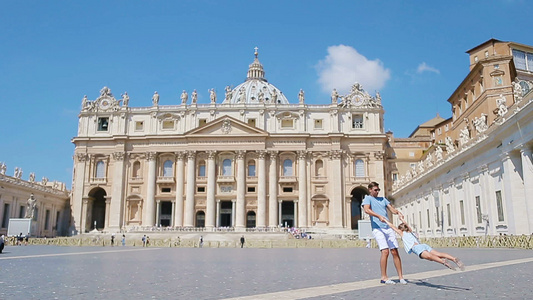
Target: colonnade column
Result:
[[84, 215], [117, 205], [241, 186], [261, 190], [273, 211], [149, 214], [210, 214], [157, 212], [107, 208], [295, 203], [527, 171], [217, 214], [233, 210], [336, 191], [280, 210], [302, 190], [180, 174], [189, 197]]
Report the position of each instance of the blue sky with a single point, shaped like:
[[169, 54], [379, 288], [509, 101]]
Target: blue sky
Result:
[[52, 53]]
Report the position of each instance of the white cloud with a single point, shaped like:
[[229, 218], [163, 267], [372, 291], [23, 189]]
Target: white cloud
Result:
[[343, 66], [423, 67]]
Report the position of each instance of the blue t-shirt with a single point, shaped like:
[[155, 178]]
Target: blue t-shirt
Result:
[[379, 206]]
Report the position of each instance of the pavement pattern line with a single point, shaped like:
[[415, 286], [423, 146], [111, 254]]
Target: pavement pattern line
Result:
[[77, 253], [372, 283]]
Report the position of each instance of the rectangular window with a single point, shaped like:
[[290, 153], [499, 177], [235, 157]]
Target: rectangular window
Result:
[[201, 189], [519, 58], [446, 128], [499, 206], [5, 217], [394, 177], [251, 122], [168, 124], [429, 223], [462, 209], [251, 170], [251, 189], [139, 126], [318, 123], [357, 122], [439, 131], [103, 124], [287, 123], [165, 190], [411, 154], [478, 210], [22, 211], [47, 220], [202, 122], [287, 189], [420, 219], [57, 221], [438, 217], [448, 211]]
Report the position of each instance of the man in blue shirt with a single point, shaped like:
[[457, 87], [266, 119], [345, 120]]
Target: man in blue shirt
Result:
[[376, 208]]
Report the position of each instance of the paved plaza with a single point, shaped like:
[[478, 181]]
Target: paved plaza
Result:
[[53, 272]]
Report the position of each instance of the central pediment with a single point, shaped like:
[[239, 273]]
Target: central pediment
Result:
[[226, 126]]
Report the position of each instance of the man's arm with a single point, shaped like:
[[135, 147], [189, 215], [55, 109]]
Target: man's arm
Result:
[[394, 210], [394, 227], [370, 212]]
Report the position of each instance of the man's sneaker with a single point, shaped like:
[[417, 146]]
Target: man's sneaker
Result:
[[388, 281], [403, 281], [459, 263]]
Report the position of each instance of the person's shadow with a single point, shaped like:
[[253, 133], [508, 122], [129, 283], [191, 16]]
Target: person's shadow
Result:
[[438, 286]]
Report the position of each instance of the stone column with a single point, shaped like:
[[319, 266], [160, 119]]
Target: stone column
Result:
[[241, 190], [527, 171], [233, 212], [107, 209], [210, 214], [336, 205], [117, 192], [157, 213], [469, 205], [261, 190], [83, 218], [486, 204], [149, 214], [180, 173], [173, 217], [189, 198], [218, 214], [273, 211], [280, 210], [295, 203], [302, 190], [79, 200]]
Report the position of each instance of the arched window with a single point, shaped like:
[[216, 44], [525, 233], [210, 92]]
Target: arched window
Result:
[[226, 167], [251, 168], [136, 170], [287, 167], [167, 168], [319, 168], [100, 169], [201, 169], [359, 168]]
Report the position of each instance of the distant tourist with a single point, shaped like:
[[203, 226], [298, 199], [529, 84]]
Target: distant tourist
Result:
[[424, 251], [242, 241], [112, 240], [147, 241], [123, 240], [2, 243], [144, 240], [201, 242]]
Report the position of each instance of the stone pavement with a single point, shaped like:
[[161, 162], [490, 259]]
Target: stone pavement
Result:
[[52, 272]]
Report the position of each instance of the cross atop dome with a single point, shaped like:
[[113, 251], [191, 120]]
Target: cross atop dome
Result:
[[256, 53]]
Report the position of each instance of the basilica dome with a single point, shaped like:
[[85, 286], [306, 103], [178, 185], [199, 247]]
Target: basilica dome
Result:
[[255, 89]]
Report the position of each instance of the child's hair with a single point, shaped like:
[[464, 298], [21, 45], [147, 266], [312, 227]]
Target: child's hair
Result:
[[403, 227]]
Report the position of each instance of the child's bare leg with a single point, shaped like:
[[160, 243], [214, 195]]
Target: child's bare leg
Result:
[[430, 256], [442, 255]]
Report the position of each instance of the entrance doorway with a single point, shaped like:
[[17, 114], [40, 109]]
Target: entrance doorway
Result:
[[200, 219], [165, 213], [250, 219], [356, 209], [97, 211], [225, 214], [287, 214]]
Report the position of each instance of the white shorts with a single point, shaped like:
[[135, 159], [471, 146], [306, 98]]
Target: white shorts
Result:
[[386, 238]]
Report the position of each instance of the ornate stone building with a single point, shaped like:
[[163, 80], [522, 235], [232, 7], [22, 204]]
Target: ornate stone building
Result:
[[50, 211], [251, 160], [476, 176]]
